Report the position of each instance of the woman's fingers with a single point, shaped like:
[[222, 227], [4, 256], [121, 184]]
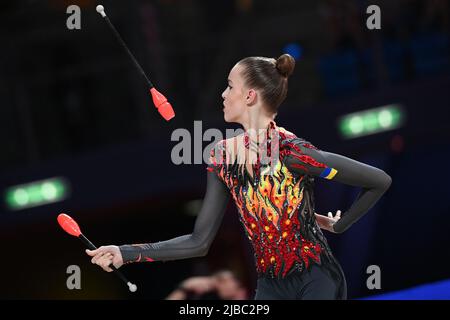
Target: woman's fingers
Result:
[[97, 253], [105, 256], [108, 262], [105, 261], [338, 214], [336, 217], [97, 257], [92, 252]]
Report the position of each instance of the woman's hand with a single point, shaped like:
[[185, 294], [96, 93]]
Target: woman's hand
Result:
[[106, 255], [327, 222]]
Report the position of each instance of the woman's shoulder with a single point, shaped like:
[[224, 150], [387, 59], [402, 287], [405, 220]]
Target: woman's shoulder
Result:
[[291, 140]]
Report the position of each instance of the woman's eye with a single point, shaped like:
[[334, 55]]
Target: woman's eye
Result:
[[230, 87]]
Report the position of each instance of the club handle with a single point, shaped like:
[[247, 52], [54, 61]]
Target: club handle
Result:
[[125, 47], [91, 246], [86, 241], [164, 107]]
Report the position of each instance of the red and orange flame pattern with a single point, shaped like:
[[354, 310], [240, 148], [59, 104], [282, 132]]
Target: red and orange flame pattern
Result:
[[270, 209]]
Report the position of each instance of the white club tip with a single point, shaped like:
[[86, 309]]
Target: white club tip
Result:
[[132, 287], [100, 9]]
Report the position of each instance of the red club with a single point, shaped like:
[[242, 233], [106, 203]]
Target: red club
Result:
[[71, 227], [160, 101]]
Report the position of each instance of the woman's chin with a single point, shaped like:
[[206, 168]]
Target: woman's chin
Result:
[[231, 119]]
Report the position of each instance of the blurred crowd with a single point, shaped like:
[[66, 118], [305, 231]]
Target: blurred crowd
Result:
[[221, 285]]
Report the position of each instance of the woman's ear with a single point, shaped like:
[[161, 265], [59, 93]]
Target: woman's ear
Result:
[[250, 99]]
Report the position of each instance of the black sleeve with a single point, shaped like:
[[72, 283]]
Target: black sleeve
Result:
[[305, 159], [191, 245]]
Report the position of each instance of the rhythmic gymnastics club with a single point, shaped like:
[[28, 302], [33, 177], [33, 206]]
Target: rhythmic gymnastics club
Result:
[[71, 227], [164, 107]]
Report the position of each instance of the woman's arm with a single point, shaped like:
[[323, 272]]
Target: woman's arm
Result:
[[306, 159], [191, 245], [195, 244]]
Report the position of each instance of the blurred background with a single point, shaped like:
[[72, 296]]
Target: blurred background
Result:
[[80, 135]]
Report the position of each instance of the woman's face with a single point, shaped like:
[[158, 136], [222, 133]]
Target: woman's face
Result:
[[234, 97]]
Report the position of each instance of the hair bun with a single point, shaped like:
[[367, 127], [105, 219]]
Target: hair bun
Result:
[[285, 65]]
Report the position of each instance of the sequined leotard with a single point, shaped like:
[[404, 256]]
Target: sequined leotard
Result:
[[275, 204]]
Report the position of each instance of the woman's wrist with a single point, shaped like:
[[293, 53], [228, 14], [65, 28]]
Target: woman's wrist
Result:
[[130, 254]]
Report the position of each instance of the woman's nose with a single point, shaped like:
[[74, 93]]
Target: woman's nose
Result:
[[223, 94]]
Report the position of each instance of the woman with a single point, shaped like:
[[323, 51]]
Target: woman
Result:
[[274, 198]]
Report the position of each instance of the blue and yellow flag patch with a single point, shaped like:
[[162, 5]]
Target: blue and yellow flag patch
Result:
[[328, 173]]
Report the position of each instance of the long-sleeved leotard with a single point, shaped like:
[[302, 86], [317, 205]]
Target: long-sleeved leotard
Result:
[[306, 159], [192, 245], [276, 210]]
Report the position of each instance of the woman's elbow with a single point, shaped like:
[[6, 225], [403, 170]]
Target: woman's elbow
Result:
[[203, 253], [202, 250], [386, 181]]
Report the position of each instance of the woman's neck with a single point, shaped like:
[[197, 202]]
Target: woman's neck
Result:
[[256, 131], [258, 123]]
